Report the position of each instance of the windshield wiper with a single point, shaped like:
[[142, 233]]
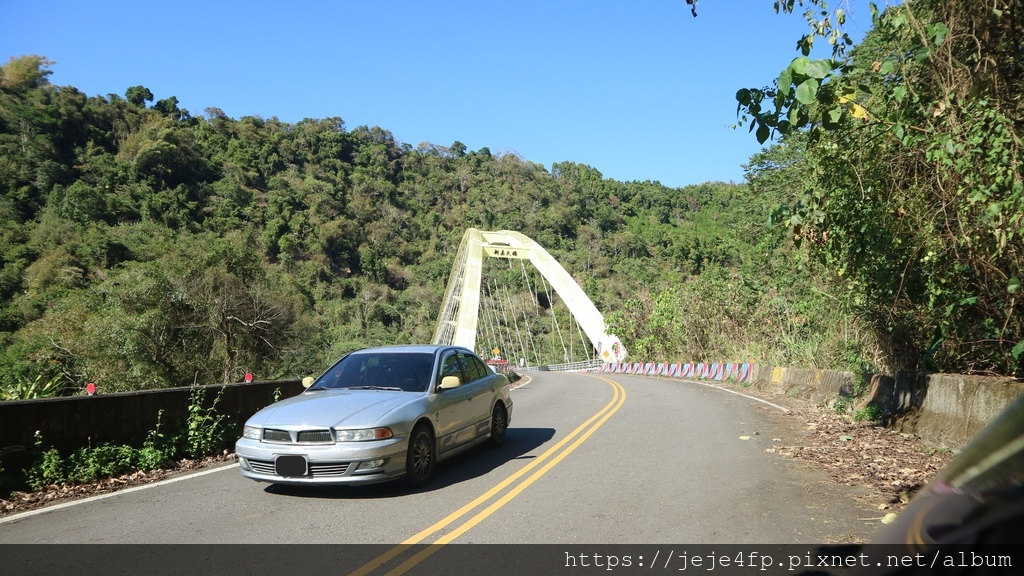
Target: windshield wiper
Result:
[[375, 388]]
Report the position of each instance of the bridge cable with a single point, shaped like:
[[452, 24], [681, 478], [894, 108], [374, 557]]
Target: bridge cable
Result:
[[561, 338], [554, 322], [451, 306], [487, 309], [515, 320], [554, 317], [501, 341], [496, 315], [536, 311], [571, 357], [583, 340], [519, 333], [500, 322]]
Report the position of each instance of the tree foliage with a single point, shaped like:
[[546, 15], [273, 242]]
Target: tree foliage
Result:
[[913, 192]]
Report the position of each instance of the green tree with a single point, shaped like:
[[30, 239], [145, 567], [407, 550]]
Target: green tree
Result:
[[138, 95], [25, 72], [169, 107]]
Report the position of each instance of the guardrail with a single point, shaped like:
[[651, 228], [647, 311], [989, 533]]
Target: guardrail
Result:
[[593, 365], [737, 371]]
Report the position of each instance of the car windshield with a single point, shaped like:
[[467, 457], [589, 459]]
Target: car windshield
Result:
[[405, 371]]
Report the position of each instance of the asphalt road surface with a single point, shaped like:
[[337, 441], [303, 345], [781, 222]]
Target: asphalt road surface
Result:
[[589, 458]]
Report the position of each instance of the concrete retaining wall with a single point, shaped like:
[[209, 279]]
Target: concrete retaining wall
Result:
[[823, 387], [69, 423], [944, 410], [951, 409]]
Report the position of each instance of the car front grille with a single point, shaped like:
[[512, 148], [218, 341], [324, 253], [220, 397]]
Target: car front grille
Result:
[[328, 470], [301, 437], [315, 436], [316, 470], [262, 466]]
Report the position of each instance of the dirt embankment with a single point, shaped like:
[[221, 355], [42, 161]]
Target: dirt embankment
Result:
[[891, 466]]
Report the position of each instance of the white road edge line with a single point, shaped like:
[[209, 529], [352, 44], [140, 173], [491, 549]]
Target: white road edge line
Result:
[[523, 381], [44, 510], [783, 408]]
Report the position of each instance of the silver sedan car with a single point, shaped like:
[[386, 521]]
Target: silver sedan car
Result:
[[376, 415]]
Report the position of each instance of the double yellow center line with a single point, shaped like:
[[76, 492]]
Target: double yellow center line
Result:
[[555, 453]]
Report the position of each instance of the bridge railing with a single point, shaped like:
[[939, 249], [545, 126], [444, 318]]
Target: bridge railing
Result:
[[592, 365]]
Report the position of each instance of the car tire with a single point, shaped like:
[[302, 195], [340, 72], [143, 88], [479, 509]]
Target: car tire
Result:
[[499, 423], [421, 457]]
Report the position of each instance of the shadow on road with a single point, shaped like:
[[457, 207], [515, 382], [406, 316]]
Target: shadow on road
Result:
[[519, 442]]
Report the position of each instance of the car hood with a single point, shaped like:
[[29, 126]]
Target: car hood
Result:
[[332, 409]]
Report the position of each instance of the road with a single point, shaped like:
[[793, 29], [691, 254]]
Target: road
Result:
[[590, 458]]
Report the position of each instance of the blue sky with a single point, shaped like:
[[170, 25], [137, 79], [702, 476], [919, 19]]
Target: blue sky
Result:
[[638, 90]]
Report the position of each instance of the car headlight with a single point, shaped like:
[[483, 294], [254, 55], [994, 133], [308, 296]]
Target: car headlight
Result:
[[362, 435], [252, 432]]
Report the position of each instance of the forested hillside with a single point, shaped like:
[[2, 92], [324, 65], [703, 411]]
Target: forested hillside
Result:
[[144, 246]]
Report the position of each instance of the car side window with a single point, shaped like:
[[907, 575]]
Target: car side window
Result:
[[481, 368], [474, 368], [450, 367]]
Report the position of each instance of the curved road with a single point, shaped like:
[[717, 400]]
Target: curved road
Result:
[[589, 459]]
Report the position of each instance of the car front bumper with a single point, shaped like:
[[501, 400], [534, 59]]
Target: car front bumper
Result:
[[351, 463]]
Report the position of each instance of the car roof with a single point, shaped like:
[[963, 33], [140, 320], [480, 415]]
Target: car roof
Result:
[[411, 348]]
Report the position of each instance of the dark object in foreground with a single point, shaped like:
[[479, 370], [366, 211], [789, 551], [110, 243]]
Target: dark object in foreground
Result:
[[975, 504]]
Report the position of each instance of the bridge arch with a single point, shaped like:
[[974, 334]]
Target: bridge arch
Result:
[[459, 315]]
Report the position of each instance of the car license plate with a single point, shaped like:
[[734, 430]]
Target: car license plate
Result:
[[290, 465]]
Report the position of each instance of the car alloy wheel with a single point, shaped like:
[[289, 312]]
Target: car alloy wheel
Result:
[[499, 423], [421, 459]]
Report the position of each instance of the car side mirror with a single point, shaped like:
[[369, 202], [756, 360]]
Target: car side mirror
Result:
[[449, 382], [307, 381]]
